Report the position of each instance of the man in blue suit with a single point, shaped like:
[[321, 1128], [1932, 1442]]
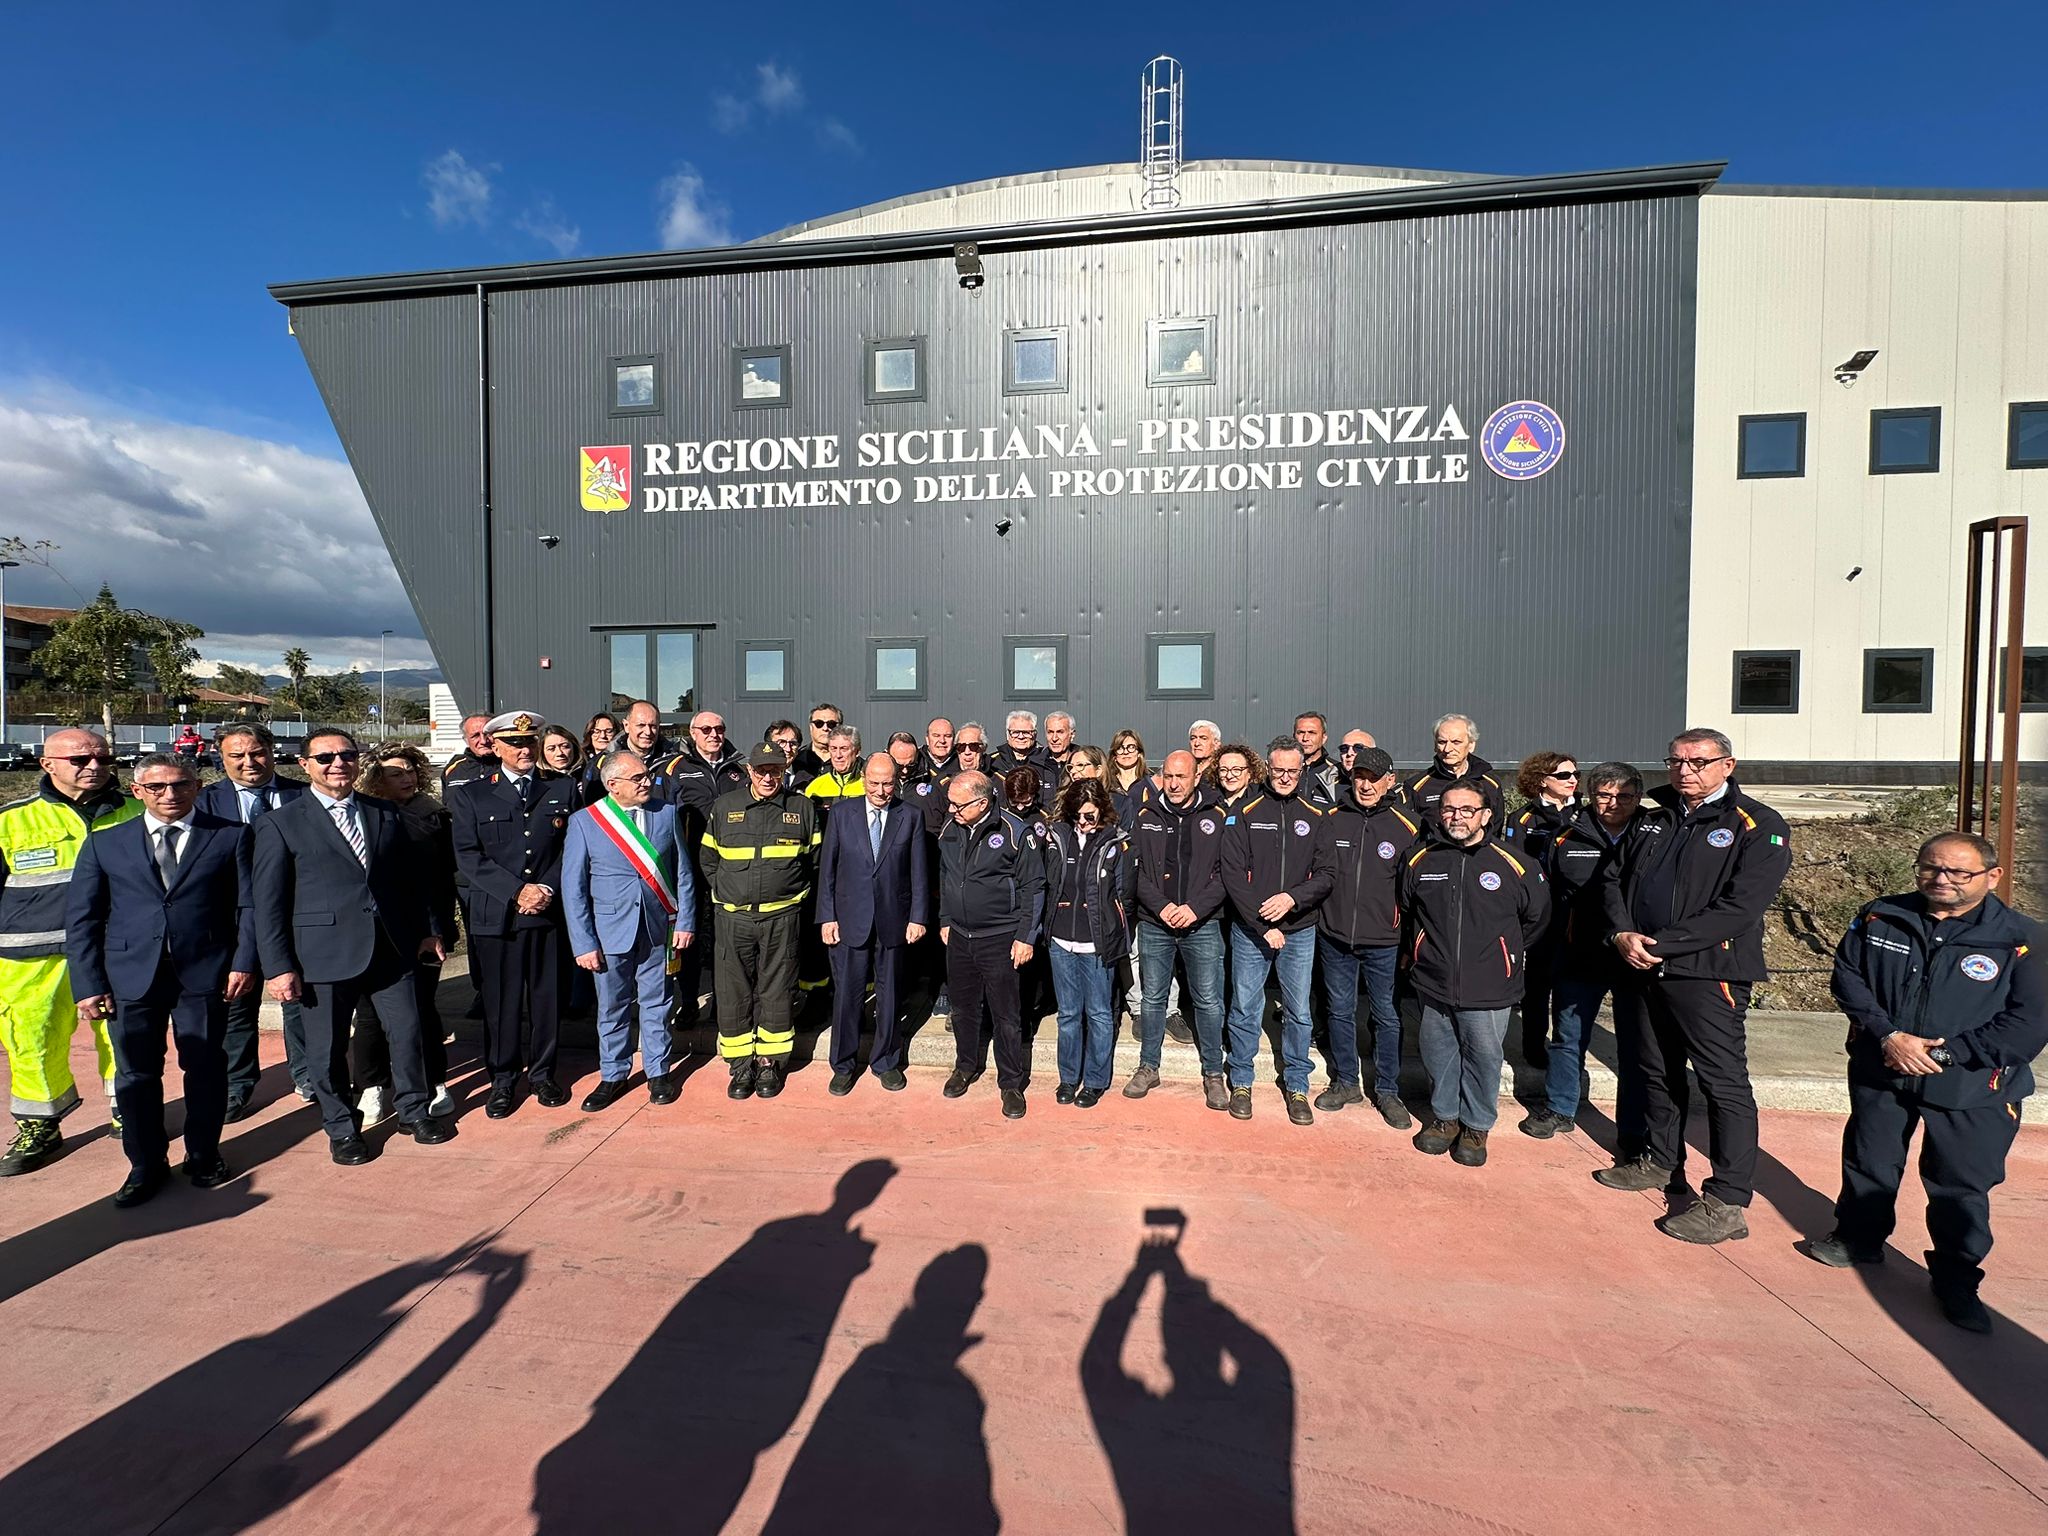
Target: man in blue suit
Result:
[[630, 899], [251, 791], [344, 910], [158, 933], [874, 900]]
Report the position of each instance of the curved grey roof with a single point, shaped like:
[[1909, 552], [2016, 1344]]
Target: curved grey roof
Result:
[[1096, 191]]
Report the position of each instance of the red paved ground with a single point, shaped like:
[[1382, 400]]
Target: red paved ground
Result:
[[642, 1320]]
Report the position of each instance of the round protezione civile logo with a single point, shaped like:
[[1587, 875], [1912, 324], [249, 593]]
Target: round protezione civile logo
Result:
[[1522, 440], [1490, 881], [1980, 967], [1721, 837], [1386, 850]]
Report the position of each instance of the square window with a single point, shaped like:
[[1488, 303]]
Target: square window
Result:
[[760, 377], [1180, 351], [1035, 666], [765, 669], [675, 672], [896, 669], [1771, 447], [1035, 362], [1898, 682], [1906, 442], [1181, 666], [635, 385], [2033, 679], [2026, 443], [1766, 683], [895, 369], [658, 665]]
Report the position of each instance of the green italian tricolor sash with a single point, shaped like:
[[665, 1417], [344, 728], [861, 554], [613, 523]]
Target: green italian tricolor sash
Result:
[[614, 823]]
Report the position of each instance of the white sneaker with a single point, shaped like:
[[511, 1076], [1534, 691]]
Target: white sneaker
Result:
[[442, 1105], [375, 1105], [307, 1094]]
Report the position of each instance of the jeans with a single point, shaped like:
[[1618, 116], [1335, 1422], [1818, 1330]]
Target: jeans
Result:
[[1202, 947], [1575, 1003], [1251, 962], [1083, 985], [1341, 966], [1463, 1049]]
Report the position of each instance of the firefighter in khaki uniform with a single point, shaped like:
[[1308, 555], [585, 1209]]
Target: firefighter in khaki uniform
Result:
[[40, 838], [759, 855]]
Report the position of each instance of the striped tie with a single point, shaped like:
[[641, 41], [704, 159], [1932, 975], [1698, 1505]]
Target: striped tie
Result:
[[345, 818]]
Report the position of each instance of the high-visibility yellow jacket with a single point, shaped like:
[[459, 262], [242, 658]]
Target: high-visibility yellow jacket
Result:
[[40, 837], [760, 855]]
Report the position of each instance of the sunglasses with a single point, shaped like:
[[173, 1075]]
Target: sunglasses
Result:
[[969, 746], [1087, 819], [1564, 773], [823, 725], [1696, 764], [79, 760], [709, 730], [324, 758], [165, 789]]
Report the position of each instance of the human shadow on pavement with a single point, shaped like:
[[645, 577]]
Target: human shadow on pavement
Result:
[[29, 1258], [141, 1464], [899, 1445], [671, 1443], [1215, 1451]]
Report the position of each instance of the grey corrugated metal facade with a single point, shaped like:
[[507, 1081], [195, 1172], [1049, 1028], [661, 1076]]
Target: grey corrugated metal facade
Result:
[[1552, 609]]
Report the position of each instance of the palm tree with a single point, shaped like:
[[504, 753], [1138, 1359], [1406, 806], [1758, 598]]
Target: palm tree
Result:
[[297, 663]]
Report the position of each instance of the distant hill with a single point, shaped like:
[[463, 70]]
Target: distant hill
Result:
[[401, 682]]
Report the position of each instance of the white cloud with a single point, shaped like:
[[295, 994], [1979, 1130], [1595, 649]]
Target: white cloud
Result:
[[834, 134], [778, 90], [457, 192], [688, 215], [544, 221], [261, 544]]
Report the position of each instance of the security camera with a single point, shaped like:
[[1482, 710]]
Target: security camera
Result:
[[1003, 526], [550, 540], [967, 262]]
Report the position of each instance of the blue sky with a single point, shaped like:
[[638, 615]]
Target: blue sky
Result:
[[165, 162]]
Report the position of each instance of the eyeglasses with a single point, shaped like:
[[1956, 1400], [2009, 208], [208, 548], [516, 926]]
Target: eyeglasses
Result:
[[1283, 773], [823, 724], [1612, 796], [787, 746], [324, 758], [1129, 746], [630, 778], [1234, 772], [1696, 764], [1021, 730], [955, 807], [1460, 812], [1563, 773], [165, 789], [1944, 872]]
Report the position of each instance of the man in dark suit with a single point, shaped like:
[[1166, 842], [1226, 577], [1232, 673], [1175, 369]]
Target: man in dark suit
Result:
[[510, 827], [251, 791], [874, 900], [343, 911], [158, 933]]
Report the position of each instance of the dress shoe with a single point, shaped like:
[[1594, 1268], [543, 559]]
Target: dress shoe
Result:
[[1215, 1090], [1013, 1104], [442, 1104], [1437, 1137], [1838, 1254], [503, 1097], [742, 1084], [207, 1175], [352, 1151], [1706, 1221], [1088, 1098], [1177, 1028], [841, 1085], [1064, 1094], [1392, 1110], [1241, 1103], [1142, 1082], [1298, 1110], [893, 1080], [1959, 1304], [428, 1131], [1337, 1095], [608, 1092], [141, 1184], [239, 1107], [663, 1088], [767, 1079], [957, 1083], [549, 1094], [1470, 1149], [1637, 1173]]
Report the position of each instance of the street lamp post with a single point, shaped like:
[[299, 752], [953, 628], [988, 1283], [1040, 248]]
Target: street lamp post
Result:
[[383, 697], [5, 567]]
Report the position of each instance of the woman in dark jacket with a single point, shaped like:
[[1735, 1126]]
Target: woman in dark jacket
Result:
[[1549, 785], [1090, 874], [400, 773], [598, 737]]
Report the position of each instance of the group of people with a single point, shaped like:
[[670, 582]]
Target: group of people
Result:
[[999, 878]]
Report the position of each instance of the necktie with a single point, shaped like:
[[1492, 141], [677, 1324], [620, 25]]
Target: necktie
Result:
[[255, 803], [345, 818], [526, 793], [875, 835], [167, 855]]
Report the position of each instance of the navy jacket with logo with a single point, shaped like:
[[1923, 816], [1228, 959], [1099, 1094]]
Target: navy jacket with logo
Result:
[[1578, 858], [1473, 912], [1421, 791], [1700, 884], [1179, 851], [1101, 880], [1272, 844], [1535, 825], [1366, 848], [1976, 982], [992, 879]]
